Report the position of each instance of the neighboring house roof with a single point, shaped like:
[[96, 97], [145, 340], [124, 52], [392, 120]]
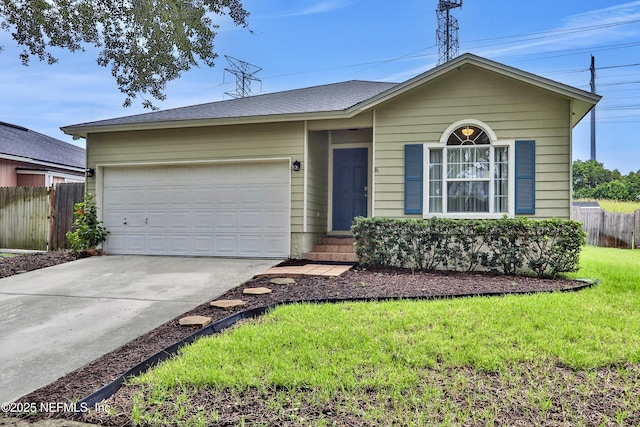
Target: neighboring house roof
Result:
[[339, 100], [22, 144], [592, 205]]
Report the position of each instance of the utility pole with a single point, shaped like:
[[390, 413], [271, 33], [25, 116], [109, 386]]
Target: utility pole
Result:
[[593, 110], [447, 33]]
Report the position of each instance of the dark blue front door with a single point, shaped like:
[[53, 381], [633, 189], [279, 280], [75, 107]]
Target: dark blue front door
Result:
[[350, 180]]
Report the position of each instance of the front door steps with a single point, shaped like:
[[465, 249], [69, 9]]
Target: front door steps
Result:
[[333, 249]]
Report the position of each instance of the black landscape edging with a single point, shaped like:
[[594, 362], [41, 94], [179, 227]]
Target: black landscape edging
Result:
[[214, 328]]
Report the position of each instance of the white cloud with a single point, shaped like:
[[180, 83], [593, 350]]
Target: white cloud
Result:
[[322, 7], [618, 13], [587, 29]]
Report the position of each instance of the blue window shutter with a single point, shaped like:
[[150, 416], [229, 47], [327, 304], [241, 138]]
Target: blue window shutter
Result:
[[525, 177], [413, 171]]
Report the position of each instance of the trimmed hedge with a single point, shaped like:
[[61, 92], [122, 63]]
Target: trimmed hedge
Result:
[[508, 246]]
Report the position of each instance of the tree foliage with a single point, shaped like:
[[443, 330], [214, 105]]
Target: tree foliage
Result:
[[591, 180], [146, 43]]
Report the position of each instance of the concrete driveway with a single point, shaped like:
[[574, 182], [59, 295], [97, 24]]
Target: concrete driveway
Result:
[[58, 319]]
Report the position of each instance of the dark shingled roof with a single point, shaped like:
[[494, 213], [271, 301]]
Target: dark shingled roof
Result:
[[317, 99], [338, 100], [18, 141]]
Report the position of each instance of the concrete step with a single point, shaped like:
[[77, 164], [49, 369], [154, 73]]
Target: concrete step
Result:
[[346, 241], [349, 249], [331, 256]]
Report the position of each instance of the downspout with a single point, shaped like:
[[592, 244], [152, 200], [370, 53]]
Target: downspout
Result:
[[571, 113], [305, 177], [330, 180]]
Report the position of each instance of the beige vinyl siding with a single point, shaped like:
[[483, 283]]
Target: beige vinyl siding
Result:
[[513, 110], [317, 182], [274, 140]]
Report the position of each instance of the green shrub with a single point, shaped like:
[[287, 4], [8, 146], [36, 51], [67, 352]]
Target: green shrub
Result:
[[508, 246], [88, 231]]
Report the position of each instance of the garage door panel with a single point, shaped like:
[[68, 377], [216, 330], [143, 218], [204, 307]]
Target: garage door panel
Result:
[[226, 221], [116, 243], [226, 245], [203, 220], [227, 196], [135, 244], [178, 196], [248, 196], [156, 196], [113, 194], [127, 221], [126, 197], [249, 245], [179, 244], [157, 242], [214, 210], [156, 221], [202, 244], [250, 220], [274, 220], [178, 221], [203, 196], [178, 176], [272, 199]]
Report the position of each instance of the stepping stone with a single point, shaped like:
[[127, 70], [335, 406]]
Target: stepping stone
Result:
[[256, 291], [228, 303], [201, 321], [282, 281]]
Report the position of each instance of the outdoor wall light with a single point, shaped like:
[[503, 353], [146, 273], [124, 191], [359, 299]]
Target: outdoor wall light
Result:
[[296, 166], [90, 173]]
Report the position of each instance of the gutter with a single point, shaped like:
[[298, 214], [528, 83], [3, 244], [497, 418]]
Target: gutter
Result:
[[41, 163]]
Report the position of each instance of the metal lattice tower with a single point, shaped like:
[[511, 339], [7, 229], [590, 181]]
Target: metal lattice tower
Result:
[[245, 74], [447, 33]]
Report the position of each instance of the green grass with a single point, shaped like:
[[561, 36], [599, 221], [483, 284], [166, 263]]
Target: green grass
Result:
[[390, 349], [618, 206], [6, 255]]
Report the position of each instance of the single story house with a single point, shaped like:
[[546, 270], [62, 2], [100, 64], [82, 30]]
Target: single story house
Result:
[[31, 159], [268, 175]]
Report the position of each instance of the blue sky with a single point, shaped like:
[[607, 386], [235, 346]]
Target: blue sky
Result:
[[312, 42]]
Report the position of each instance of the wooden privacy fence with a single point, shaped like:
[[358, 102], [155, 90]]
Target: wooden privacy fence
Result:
[[609, 229], [37, 217], [65, 196]]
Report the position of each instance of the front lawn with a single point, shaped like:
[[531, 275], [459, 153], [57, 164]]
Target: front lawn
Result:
[[618, 206], [545, 359]]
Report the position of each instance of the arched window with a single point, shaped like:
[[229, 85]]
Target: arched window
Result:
[[469, 175]]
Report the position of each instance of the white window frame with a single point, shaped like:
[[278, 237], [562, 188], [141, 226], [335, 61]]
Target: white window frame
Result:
[[442, 145]]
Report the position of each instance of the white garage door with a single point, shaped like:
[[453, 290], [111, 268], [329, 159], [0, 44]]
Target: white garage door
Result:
[[234, 210]]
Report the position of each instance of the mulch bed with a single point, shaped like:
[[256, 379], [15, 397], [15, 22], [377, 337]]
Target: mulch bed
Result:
[[354, 284], [16, 264]]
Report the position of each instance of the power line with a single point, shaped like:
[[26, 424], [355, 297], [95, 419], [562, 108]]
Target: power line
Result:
[[553, 33], [517, 39], [621, 83], [619, 66]]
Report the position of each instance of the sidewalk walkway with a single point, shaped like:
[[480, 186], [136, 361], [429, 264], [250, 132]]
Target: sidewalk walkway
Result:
[[325, 270]]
